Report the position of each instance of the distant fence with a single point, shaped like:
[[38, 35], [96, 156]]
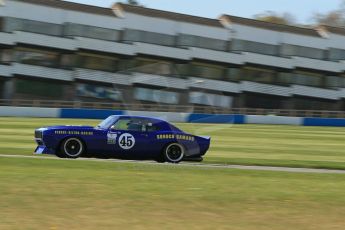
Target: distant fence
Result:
[[170, 116], [170, 108]]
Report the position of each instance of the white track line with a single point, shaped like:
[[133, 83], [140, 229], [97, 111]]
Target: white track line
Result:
[[187, 164]]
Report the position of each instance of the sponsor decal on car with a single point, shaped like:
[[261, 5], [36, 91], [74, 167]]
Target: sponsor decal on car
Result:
[[64, 132], [111, 138], [173, 136]]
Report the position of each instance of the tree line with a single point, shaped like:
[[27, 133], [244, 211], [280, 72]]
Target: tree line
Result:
[[335, 18]]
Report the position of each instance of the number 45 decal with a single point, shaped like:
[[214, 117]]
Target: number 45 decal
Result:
[[126, 141]]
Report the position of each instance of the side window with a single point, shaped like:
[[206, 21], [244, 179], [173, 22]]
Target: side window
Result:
[[129, 125], [135, 124], [121, 124], [151, 127]]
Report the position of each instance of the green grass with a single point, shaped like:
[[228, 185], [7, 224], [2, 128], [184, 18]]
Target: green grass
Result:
[[54, 194], [275, 145], [291, 146], [67, 194]]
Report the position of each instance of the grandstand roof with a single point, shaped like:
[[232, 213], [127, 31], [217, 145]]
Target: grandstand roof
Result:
[[166, 14], [334, 30], [270, 25], [182, 17], [72, 6]]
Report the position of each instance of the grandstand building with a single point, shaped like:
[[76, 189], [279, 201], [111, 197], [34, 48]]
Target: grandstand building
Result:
[[52, 49]]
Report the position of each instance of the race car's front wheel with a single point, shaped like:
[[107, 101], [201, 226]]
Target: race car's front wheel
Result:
[[71, 148], [174, 153]]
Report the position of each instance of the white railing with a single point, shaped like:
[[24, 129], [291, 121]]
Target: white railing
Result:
[[170, 108]]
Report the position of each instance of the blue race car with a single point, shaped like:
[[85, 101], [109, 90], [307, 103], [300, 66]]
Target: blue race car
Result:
[[127, 137]]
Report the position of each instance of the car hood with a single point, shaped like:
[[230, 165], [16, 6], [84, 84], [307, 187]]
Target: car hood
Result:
[[68, 127]]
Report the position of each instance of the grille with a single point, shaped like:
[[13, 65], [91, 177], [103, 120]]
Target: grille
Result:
[[38, 134], [39, 142]]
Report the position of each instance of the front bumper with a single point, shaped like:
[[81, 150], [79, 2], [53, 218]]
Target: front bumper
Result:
[[41, 149]]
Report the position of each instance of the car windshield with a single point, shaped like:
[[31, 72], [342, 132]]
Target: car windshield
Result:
[[105, 124]]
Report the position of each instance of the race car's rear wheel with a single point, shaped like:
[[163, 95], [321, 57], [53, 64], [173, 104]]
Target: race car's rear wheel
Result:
[[174, 153], [71, 148]]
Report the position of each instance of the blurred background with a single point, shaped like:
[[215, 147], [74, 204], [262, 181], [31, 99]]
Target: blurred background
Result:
[[127, 56], [252, 74]]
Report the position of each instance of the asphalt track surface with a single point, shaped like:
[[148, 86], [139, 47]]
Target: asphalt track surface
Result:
[[188, 164]]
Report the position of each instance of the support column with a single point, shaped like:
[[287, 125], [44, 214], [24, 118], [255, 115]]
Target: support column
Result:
[[8, 89], [239, 101], [127, 94], [184, 98], [339, 105], [288, 103]]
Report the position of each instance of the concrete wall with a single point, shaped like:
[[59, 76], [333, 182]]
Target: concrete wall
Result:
[[274, 120], [8, 111]]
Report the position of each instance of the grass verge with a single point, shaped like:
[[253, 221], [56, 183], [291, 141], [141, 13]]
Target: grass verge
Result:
[[67, 194]]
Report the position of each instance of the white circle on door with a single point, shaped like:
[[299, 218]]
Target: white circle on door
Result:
[[126, 141]]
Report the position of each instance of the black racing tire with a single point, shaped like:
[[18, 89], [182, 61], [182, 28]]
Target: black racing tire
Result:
[[160, 158], [194, 159], [174, 153], [71, 147]]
